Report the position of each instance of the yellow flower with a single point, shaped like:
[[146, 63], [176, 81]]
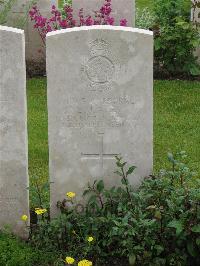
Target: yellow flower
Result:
[[24, 218], [40, 211], [70, 195], [69, 260], [90, 239], [85, 263]]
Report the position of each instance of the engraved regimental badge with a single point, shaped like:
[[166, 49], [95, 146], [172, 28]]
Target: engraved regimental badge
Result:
[[99, 69]]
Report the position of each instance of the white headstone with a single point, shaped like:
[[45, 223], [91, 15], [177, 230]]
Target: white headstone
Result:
[[14, 201], [120, 9], [195, 12], [195, 17], [100, 104], [19, 17]]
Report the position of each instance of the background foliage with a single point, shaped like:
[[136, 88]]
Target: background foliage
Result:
[[176, 38]]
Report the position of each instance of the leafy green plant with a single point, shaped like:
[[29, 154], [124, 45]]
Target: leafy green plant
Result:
[[39, 193], [158, 224], [62, 3], [145, 18], [176, 38], [167, 11]]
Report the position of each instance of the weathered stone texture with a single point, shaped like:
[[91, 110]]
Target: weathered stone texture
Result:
[[100, 104]]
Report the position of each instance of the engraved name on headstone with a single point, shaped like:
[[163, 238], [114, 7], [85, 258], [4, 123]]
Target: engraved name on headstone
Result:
[[100, 104], [14, 200]]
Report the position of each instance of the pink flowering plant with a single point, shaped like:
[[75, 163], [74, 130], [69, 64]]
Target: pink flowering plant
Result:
[[64, 18]]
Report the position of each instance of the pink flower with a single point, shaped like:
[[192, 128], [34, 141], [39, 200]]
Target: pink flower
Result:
[[123, 22], [68, 9], [63, 20], [52, 19], [73, 23], [49, 28], [110, 21], [89, 21], [63, 23]]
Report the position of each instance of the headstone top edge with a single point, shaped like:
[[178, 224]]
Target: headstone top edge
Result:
[[10, 29], [100, 27]]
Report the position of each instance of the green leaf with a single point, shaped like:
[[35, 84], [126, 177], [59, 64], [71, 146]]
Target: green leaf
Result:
[[191, 249], [130, 170], [157, 45], [178, 225], [198, 242], [159, 249], [118, 173], [117, 223], [93, 198], [195, 70], [170, 157], [132, 259], [86, 192], [100, 186], [195, 43], [158, 215], [183, 24], [121, 165], [124, 182], [196, 228], [118, 158]]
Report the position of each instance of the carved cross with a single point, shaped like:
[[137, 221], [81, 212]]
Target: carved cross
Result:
[[100, 155]]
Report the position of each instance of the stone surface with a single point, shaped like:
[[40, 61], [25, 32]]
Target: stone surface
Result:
[[14, 200], [121, 9], [195, 12], [100, 104], [195, 16], [35, 50]]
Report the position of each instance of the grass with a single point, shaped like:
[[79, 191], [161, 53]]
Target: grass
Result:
[[176, 123], [14, 252], [144, 3], [37, 128]]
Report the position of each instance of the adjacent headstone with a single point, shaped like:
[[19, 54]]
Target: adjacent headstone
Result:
[[195, 12], [120, 9], [35, 48], [19, 17], [14, 201], [195, 17], [100, 104]]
